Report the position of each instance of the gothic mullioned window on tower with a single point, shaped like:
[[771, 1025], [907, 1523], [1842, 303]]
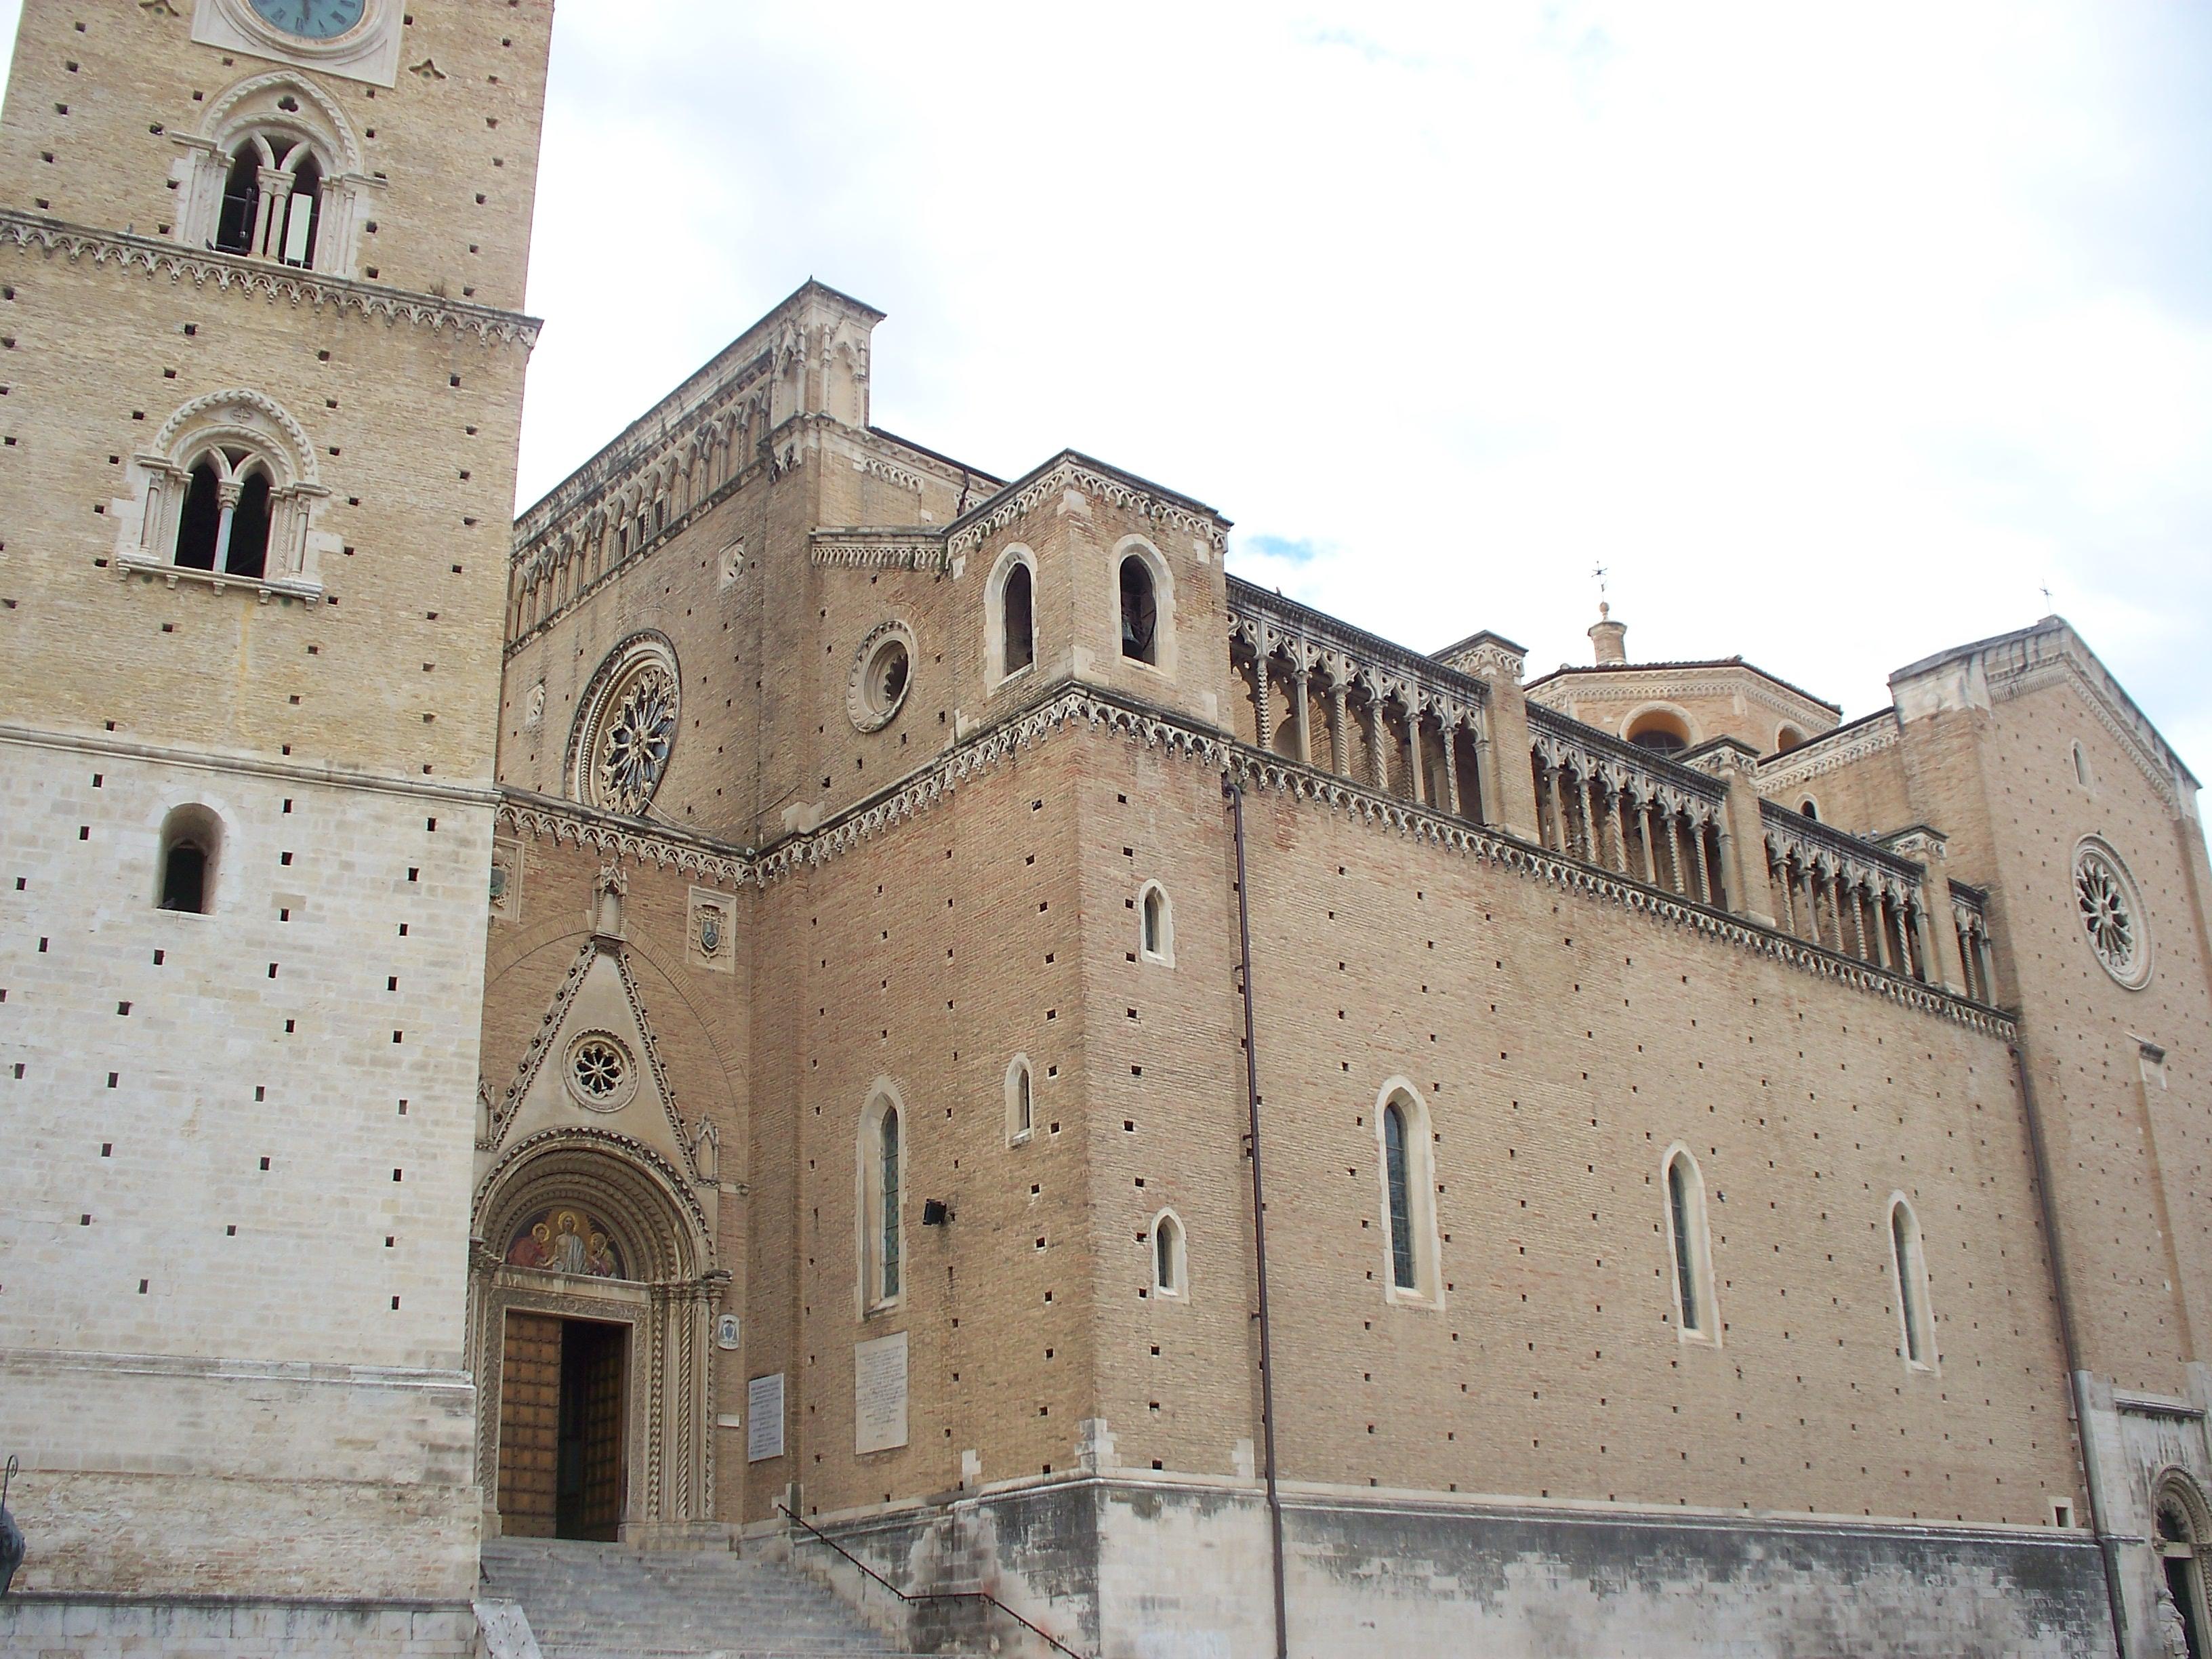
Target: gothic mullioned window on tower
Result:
[[1155, 927], [226, 521], [275, 172], [272, 201]]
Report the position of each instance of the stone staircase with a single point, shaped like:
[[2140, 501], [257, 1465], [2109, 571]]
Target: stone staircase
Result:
[[602, 1602]]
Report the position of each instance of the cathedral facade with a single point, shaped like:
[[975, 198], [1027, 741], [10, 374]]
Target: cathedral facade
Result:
[[814, 994]]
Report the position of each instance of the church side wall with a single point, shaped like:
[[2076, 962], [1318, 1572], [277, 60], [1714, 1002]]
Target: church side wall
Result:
[[1561, 1044]]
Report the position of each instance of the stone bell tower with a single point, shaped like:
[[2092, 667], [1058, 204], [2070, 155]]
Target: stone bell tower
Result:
[[261, 372]]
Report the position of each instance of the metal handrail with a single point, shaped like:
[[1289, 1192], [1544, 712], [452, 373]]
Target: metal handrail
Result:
[[926, 1596]]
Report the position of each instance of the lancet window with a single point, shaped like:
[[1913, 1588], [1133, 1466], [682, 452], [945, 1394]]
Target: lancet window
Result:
[[1690, 1249]]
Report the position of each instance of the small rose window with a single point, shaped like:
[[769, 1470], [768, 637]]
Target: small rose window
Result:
[[883, 671], [602, 1075], [2110, 914]]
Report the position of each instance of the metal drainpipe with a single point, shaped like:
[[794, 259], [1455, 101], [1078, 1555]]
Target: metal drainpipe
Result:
[[1235, 793], [2077, 1378]]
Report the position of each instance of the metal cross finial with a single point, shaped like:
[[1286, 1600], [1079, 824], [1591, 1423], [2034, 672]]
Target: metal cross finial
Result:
[[1600, 573], [2046, 593]]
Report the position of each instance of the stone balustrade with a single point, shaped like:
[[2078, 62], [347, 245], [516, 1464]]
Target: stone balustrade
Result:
[[1627, 809], [1341, 700]]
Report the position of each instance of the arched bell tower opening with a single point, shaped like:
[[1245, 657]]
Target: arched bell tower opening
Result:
[[593, 1292]]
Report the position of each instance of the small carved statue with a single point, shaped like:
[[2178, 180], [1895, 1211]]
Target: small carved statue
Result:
[[706, 1150], [11, 1535], [2173, 1634]]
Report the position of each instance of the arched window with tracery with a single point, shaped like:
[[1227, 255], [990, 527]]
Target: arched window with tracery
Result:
[[1690, 1249], [1909, 1265], [230, 488], [276, 174], [1141, 611]]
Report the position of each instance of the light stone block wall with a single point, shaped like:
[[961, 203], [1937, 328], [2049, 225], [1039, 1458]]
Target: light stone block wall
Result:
[[60, 1628], [1121, 1567], [240, 1215]]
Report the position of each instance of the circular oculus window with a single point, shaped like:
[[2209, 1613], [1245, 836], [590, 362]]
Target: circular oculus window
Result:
[[2111, 914], [601, 1073], [883, 673]]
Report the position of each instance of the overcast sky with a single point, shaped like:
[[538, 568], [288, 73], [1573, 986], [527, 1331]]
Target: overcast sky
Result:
[[1836, 334]]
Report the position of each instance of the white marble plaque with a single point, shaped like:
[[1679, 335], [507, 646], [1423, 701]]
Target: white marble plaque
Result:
[[764, 1404], [879, 1394]]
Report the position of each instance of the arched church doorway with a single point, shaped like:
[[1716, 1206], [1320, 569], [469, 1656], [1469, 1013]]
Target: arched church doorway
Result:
[[2182, 1534], [593, 1299]]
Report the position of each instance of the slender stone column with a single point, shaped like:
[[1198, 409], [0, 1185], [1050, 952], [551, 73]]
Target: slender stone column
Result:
[[1301, 687], [1781, 882], [1379, 759], [1340, 740], [1705, 868], [1939, 941], [1259, 720], [1451, 768], [1559, 844], [1414, 756]]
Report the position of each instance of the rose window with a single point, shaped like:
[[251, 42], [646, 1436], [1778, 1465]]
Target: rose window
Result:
[[2111, 914], [601, 1076], [634, 742]]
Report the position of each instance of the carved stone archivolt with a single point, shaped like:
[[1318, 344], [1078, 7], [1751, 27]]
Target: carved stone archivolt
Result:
[[644, 1258]]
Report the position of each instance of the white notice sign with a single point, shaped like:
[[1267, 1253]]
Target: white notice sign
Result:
[[879, 1394], [764, 1404]]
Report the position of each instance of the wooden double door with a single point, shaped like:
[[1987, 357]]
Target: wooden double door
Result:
[[563, 1387]]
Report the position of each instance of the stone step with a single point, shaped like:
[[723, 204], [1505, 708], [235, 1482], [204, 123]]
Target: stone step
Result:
[[603, 1601]]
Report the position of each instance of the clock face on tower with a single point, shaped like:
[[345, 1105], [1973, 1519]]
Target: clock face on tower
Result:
[[312, 20]]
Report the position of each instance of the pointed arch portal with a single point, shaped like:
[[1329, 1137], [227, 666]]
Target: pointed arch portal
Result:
[[593, 1292]]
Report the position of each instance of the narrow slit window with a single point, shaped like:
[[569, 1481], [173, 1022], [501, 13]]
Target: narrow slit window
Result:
[[1017, 607], [1692, 1262], [1167, 1256], [888, 1151], [1157, 929], [1906, 1256], [1400, 1180]]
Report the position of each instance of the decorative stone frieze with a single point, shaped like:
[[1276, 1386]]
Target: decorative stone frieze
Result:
[[255, 278]]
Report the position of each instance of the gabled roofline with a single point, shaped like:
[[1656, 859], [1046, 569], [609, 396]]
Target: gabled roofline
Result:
[[974, 522], [662, 416], [2102, 681]]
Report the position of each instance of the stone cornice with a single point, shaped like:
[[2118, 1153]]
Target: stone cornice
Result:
[[1832, 751], [544, 817], [879, 549], [255, 278], [1069, 470], [336, 777], [1072, 707], [1557, 689]]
